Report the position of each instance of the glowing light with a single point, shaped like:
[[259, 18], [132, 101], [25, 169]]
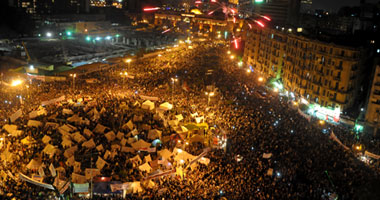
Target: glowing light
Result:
[[159, 55], [236, 44], [179, 150], [108, 37], [228, 52], [182, 161], [240, 64], [49, 34], [259, 1], [198, 2], [232, 56], [321, 122], [261, 79], [248, 70], [88, 38], [98, 38], [167, 30], [213, 1], [68, 33], [31, 67], [275, 89], [128, 60], [267, 18], [210, 13], [16, 82], [304, 101], [151, 9], [234, 19], [260, 24], [250, 26]]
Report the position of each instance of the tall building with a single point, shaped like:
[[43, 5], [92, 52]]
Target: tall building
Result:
[[323, 73], [373, 106], [281, 11], [305, 6]]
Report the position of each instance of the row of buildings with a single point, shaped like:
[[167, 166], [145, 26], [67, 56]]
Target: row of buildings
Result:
[[330, 75]]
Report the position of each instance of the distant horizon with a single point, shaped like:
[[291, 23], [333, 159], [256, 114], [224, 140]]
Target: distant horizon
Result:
[[334, 5]]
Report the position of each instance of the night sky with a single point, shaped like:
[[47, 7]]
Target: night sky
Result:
[[334, 5]]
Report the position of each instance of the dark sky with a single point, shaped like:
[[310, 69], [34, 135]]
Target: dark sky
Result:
[[334, 5]]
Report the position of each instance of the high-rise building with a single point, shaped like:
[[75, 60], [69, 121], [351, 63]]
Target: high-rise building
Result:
[[373, 106], [281, 11], [305, 6], [323, 73]]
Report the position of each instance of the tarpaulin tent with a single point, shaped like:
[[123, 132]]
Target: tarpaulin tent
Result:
[[50, 150], [154, 134], [67, 111], [66, 143], [87, 132], [70, 151], [78, 137], [140, 144], [173, 123], [166, 106], [33, 164], [147, 105], [89, 144], [34, 123], [181, 129], [145, 167], [120, 135], [28, 140], [110, 136], [179, 117], [99, 128], [164, 153], [197, 138], [46, 139], [128, 125], [100, 163]]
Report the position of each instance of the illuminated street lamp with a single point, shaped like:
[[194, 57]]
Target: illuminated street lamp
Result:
[[73, 75], [173, 80], [232, 57], [261, 79], [228, 52], [16, 83], [49, 34], [129, 62], [209, 95]]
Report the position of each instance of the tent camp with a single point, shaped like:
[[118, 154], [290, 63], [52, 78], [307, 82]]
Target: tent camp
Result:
[[110, 136], [166, 106], [140, 145], [87, 132], [78, 137], [147, 105], [145, 167], [128, 125], [66, 143], [99, 128], [154, 134]]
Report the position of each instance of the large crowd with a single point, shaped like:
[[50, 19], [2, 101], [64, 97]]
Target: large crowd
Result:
[[304, 163]]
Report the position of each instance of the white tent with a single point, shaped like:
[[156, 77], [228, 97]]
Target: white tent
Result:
[[120, 135], [27, 140], [140, 145], [67, 111], [46, 139], [87, 132], [154, 134], [10, 127], [145, 167], [147, 105], [166, 106], [78, 137], [89, 144], [173, 123], [179, 117], [100, 163], [50, 150], [110, 136], [128, 125], [165, 153], [33, 164], [99, 128], [34, 123], [66, 143]]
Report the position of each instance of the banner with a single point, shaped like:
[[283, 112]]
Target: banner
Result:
[[333, 137], [160, 174], [198, 157], [53, 101], [372, 155], [34, 182], [16, 115], [81, 188]]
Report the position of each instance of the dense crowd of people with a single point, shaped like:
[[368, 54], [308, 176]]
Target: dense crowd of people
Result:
[[304, 163]]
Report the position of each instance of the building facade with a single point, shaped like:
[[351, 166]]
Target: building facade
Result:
[[323, 73], [281, 11], [373, 106]]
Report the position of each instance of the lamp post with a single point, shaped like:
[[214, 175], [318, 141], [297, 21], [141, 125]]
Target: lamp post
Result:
[[129, 62], [209, 95], [73, 75], [173, 81]]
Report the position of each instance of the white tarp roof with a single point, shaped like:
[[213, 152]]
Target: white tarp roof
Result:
[[140, 144], [154, 134], [147, 105], [50, 150], [165, 153], [34, 123], [89, 144], [166, 106], [12, 129]]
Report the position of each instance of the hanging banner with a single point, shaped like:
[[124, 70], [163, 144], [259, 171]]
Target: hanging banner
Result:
[[198, 157], [16, 115], [81, 188], [372, 155], [34, 182], [333, 137], [173, 171]]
